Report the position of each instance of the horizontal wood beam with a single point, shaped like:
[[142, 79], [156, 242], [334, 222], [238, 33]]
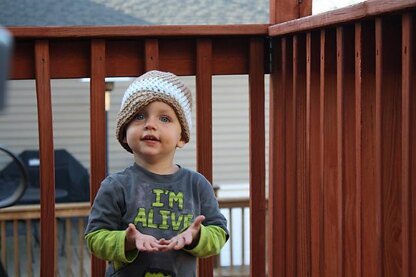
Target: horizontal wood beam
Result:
[[138, 31]]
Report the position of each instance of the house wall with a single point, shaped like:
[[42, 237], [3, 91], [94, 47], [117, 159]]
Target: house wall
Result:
[[19, 129]]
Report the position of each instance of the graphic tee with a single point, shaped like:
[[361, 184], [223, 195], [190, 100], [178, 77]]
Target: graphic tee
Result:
[[158, 205]]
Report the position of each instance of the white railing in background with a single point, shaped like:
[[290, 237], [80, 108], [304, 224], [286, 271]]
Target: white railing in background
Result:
[[19, 238]]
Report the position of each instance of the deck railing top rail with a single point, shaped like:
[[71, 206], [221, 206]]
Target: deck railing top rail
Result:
[[139, 31], [352, 13]]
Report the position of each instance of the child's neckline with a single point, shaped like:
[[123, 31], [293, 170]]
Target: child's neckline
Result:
[[168, 174]]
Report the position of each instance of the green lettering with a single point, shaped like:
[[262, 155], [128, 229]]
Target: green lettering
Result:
[[176, 198], [141, 217], [165, 215], [157, 202], [187, 220], [176, 224], [150, 223]]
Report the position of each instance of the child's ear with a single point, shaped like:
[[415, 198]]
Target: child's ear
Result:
[[180, 143]]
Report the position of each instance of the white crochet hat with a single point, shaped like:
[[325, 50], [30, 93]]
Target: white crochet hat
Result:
[[155, 86]]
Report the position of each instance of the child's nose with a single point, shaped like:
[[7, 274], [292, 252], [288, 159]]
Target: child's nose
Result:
[[150, 123]]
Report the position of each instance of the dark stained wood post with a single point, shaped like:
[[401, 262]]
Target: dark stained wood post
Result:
[[98, 131], [285, 10], [204, 124], [151, 54], [280, 264], [47, 164], [277, 151], [314, 123], [350, 134], [257, 159], [408, 114]]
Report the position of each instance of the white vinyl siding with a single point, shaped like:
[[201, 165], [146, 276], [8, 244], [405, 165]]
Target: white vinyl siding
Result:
[[71, 113]]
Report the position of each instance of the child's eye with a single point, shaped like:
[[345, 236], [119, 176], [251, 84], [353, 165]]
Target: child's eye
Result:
[[165, 119], [139, 116]]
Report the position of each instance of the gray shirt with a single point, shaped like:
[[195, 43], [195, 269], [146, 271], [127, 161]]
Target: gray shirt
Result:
[[159, 205]]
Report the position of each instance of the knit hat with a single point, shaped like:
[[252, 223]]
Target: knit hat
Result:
[[155, 86]]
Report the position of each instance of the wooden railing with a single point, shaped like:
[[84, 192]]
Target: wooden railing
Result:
[[20, 234], [241, 206], [342, 198], [19, 238], [342, 126], [100, 52]]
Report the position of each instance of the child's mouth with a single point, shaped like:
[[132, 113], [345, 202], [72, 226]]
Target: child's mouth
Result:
[[150, 138]]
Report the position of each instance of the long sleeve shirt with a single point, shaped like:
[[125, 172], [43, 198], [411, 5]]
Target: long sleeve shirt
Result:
[[158, 205]]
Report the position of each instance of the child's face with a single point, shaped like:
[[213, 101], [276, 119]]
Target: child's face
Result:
[[154, 132]]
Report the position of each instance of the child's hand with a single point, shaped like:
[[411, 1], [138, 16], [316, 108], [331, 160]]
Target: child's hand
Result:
[[142, 242], [189, 237]]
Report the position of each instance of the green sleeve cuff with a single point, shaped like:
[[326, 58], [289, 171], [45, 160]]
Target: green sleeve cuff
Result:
[[110, 246], [211, 241]]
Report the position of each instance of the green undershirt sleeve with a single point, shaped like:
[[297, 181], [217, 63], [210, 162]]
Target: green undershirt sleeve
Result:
[[211, 240], [109, 245]]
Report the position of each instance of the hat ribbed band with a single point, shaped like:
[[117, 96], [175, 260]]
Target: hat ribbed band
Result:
[[155, 86]]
